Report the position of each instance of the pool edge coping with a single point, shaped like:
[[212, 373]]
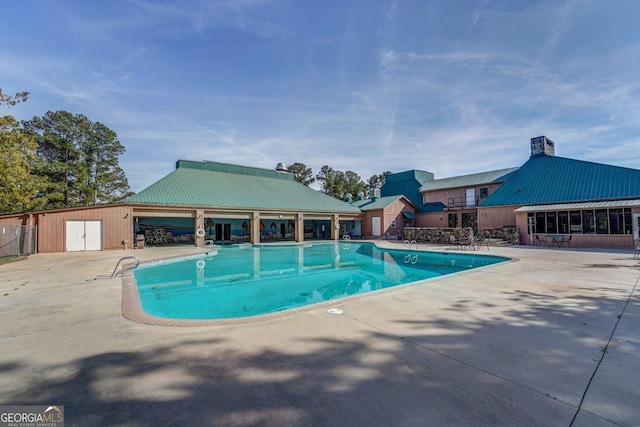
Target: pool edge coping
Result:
[[131, 307]]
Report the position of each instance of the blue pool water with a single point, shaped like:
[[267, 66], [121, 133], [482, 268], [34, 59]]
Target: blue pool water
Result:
[[254, 280]]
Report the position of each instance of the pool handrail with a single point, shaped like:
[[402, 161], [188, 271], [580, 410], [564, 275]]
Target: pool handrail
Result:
[[115, 270]]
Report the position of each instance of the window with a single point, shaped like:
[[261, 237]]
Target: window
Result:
[[628, 222], [393, 223], [563, 222], [484, 193], [602, 226], [552, 225], [588, 222], [616, 223], [575, 221], [453, 220], [599, 221], [541, 226]]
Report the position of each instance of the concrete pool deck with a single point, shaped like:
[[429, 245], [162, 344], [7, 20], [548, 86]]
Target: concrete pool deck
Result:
[[551, 339]]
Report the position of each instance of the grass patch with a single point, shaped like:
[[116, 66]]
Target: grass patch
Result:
[[8, 259]]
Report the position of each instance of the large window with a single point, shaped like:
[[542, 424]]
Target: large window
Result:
[[616, 222], [563, 222], [541, 226], [552, 225], [602, 226], [575, 220], [628, 222], [587, 221]]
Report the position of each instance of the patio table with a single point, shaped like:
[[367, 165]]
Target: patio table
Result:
[[557, 240]]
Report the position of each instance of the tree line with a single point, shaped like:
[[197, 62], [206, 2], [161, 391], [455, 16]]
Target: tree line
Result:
[[338, 184], [65, 160], [59, 160]]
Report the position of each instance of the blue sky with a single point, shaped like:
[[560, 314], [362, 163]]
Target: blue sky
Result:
[[451, 87]]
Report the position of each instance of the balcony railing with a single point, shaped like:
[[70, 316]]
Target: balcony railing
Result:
[[461, 202]]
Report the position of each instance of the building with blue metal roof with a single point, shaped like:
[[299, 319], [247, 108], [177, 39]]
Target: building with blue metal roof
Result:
[[585, 203]]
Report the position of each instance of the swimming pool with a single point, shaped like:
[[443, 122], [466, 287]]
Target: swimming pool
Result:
[[260, 279]]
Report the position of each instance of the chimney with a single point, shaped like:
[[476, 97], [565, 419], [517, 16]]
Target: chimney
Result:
[[542, 146]]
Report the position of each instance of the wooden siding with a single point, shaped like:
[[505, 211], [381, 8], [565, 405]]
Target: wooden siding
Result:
[[164, 212], [117, 225], [497, 217], [445, 194], [432, 219], [391, 212]]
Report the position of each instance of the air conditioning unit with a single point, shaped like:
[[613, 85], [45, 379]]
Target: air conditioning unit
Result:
[[375, 193]]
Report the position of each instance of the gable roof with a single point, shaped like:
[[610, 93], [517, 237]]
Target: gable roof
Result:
[[222, 185], [550, 179], [378, 202], [471, 180], [406, 183]]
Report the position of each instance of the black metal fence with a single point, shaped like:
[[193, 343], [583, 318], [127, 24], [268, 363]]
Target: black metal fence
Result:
[[17, 240]]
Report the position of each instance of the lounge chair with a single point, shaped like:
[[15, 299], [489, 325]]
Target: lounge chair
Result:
[[453, 242], [567, 241]]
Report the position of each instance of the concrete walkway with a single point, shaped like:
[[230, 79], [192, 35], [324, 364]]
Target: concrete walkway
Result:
[[550, 339]]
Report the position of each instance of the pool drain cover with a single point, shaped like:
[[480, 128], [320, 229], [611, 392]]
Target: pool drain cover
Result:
[[334, 311]]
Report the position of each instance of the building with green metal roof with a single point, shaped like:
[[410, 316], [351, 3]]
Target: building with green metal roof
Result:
[[240, 203], [225, 186], [199, 203]]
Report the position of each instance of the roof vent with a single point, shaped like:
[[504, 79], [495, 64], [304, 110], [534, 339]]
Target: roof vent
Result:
[[281, 167]]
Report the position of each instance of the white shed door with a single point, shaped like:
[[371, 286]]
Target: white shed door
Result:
[[84, 236], [375, 225]]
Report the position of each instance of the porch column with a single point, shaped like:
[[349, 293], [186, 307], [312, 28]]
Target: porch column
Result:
[[199, 225], [335, 228], [255, 227], [299, 227]]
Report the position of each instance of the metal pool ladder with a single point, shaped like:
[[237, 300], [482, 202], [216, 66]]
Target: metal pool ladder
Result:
[[115, 270]]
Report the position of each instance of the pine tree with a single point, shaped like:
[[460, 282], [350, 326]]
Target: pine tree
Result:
[[19, 187], [80, 160]]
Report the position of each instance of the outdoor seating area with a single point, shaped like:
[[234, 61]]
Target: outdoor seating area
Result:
[[159, 236], [471, 243], [556, 240]]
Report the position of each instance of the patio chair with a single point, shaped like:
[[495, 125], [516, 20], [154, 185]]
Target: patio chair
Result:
[[541, 241], [453, 242], [567, 241], [636, 248], [481, 241], [467, 243]]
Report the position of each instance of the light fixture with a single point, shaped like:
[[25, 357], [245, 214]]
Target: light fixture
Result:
[[280, 216]]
